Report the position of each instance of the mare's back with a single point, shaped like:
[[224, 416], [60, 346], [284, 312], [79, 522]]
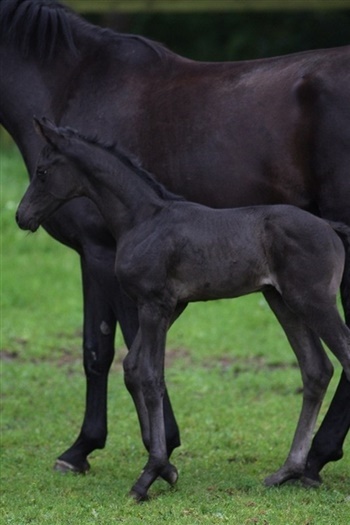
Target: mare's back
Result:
[[226, 134]]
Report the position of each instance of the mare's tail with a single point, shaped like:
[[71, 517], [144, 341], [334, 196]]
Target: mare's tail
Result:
[[343, 230]]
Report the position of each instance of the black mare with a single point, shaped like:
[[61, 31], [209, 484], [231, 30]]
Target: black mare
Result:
[[171, 252], [223, 134]]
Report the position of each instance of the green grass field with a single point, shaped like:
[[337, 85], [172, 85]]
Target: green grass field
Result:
[[233, 382]]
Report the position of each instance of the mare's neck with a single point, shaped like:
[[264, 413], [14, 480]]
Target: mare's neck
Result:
[[28, 88], [122, 196]]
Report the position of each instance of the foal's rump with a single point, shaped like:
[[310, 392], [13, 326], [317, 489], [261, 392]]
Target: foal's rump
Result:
[[307, 252]]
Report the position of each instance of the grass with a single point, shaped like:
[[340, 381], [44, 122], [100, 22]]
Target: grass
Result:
[[233, 382]]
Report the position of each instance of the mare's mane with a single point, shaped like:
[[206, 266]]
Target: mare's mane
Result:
[[127, 159], [40, 27]]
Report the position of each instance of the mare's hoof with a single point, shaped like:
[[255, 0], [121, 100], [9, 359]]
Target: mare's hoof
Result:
[[64, 467]]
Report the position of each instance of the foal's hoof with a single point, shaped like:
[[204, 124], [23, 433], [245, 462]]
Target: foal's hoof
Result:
[[312, 483], [64, 467], [282, 476], [148, 477], [138, 497], [311, 476], [170, 474]]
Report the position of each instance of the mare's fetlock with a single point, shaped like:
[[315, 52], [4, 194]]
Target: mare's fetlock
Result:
[[91, 439], [66, 467]]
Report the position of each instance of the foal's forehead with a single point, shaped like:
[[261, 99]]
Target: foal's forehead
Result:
[[47, 154]]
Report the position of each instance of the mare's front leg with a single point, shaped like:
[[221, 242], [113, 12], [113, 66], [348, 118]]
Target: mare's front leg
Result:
[[316, 371], [98, 347], [149, 361]]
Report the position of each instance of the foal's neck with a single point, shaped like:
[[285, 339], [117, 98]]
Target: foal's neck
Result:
[[122, 196]]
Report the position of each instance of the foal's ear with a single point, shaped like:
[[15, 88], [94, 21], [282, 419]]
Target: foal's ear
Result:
[[49, 132]]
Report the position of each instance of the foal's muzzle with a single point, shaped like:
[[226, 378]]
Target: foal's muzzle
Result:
[[26, 223]]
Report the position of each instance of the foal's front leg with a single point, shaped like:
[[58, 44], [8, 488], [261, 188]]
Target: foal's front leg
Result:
[[132, 379], [154, 324]]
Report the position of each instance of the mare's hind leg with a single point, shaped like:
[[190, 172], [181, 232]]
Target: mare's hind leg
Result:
[[316, 372]]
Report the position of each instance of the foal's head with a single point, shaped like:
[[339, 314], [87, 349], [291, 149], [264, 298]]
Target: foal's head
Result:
[[56, 178]]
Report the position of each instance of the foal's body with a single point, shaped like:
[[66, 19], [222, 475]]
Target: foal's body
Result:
[[171, 252], [200, 253]]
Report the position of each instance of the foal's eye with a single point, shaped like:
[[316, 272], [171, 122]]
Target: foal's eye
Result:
[[41, 174]]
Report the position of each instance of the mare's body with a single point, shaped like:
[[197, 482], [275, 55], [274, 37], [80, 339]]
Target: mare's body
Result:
[[171, 252], [223, 134]]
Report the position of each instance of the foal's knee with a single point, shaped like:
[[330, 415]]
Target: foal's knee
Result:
[[131, 374], [317, 378]]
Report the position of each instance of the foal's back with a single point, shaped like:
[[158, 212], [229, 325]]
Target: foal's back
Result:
[[202, 253]]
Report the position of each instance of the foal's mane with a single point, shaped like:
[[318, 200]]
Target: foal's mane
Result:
[[39, 27], [132, 162], [129, 160]]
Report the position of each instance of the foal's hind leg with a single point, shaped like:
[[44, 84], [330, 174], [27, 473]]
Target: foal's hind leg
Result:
[[316, 372], [326, 322], [327, 444]]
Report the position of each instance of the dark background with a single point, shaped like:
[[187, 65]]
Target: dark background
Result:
[[236, 35]]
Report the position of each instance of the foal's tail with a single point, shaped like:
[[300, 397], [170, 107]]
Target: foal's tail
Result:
[[343, 230]]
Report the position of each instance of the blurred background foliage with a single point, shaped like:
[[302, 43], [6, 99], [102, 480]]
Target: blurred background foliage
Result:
[[236, 35]]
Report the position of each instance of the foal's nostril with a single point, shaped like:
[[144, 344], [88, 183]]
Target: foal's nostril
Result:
[[18, 219]]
